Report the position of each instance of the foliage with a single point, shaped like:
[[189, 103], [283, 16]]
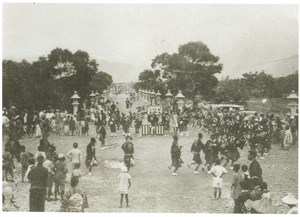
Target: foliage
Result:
[[231, 91], [191, 70], [259, 84], [51, 81]]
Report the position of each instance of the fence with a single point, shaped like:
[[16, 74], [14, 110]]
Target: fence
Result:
[[148, 130]]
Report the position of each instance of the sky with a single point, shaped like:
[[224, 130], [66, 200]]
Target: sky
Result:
[[241, 35]]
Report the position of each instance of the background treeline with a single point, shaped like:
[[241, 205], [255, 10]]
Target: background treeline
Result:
[[50, 81], [255, 85], [192, 70]]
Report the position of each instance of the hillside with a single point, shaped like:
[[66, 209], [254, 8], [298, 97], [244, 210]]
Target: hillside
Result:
[[277, 68]]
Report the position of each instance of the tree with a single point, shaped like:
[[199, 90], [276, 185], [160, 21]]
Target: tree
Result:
[[101, 81], [284, 85], [51, 81], [231, 91], [191, 70], [260, 84]]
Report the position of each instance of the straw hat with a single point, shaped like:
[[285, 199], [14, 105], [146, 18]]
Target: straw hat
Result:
[[289, 199], [264, 206]]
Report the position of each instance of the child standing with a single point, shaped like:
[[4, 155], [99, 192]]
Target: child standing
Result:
[[60, 171], [25, 156], [217, 171], [124, 185]]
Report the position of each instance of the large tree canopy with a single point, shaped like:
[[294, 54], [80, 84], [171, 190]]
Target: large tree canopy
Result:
[[191, 70], [51, 81]]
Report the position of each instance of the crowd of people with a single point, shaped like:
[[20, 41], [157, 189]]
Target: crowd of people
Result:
[[229, 133]]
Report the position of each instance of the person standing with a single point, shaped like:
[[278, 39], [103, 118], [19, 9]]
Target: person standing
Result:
[[102, 135], [75, 156], [137, 125], [175, 155], [72, 126], [91, 155], [128, 149], [124, 185], [48, 164], [25, 156], [254, 167], [38, 177], [113, 127], [60, 172], [8, 164], [196, 149], [288, 138], [175, 122], [218, 171], [236, 187]]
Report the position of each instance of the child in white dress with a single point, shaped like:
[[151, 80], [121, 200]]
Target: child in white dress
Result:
[[124, 185]]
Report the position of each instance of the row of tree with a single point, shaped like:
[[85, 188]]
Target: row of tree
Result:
[[51, 81], [193, 68], [255, 85]]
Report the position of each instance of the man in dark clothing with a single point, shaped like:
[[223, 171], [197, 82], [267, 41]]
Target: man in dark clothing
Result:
[[128, 149], [254, 167], [196, 149], [91, 155], [103, 117], [72, 127], [102, 135], [38, 177]]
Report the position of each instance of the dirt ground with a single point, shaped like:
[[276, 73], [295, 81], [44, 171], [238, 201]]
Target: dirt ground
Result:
[[153, 188]]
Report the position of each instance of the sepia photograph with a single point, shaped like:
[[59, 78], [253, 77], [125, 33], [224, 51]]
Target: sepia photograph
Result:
[[150, 107]]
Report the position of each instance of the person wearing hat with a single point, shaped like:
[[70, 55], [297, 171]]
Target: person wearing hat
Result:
[[254, 166], [91, 155], [128, 149], [38, 177], [60, 172], [292, 202]]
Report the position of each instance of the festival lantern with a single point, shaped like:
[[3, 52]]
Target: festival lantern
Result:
[[168, 99], [97, 97], [84, 104], [75, 98], [180, 100], [152, 97], [101, 98], [158, 98], [92, 96], [293, 103]]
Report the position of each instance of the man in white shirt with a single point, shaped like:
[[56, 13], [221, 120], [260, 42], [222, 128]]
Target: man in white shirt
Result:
[[75, 156], [217, 171]]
